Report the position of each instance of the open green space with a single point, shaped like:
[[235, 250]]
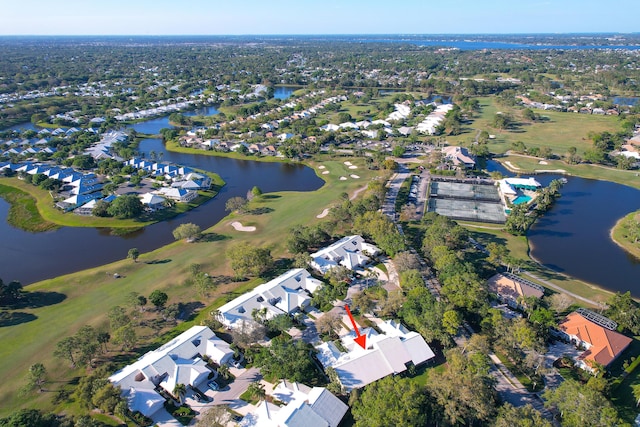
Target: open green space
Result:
[[89, 294], [33, 209], [624, 234], [559, 131], [23, 211]]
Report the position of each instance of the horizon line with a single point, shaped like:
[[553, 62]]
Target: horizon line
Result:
[[331, 34]]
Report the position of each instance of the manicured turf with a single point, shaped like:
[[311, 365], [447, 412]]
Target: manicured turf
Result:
[[90, 294], [559, 132], [621, 235]]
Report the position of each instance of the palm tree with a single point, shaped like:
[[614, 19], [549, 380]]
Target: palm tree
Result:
[[256, 390], [180, 391], [223, 371]]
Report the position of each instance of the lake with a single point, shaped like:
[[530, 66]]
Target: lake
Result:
[[626, 100], [284, 92], [573, 236], [30, 257], [482, 44], [153, 126]]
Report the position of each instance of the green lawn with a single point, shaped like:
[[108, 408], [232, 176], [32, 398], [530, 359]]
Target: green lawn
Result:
[[560, 131], [23, 212], [91, 293], [620, 235]]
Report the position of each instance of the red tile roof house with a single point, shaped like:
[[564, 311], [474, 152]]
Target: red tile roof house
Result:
[[602, 344]]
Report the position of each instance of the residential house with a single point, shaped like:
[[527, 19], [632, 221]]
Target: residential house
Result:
[[303, 406], [510, 289], [285, 294], [152, 201], [350, 251], [177, 362], [178, 194], [596, 334], [389, 353]]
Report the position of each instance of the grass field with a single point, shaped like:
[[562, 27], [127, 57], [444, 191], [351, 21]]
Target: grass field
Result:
[[620, 234], [23, 211], [559, 132], [85, 297]]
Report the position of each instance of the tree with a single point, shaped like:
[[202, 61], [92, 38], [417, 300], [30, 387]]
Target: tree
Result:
[[133, 254], [36, 377], [280, 323], [30, 418], [523, 416], [107, 398], [560, 302], [236, 204], [256, 390], [256, 191], [465, 390], [190, 232], [158, 299], [125, 336], [329, 323], [216, 416], [392, 401], [103, 338], [451, 321], [248, 260], [362, 302], [126, 206], [65, 348], [406, 261], [624, 310], [581, 406], [286, 359], [410, 279], [180, 391]]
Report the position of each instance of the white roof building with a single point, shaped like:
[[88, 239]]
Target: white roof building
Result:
[[386, 354], [177, 362], [305, 406], [350, 252], [283, 295]]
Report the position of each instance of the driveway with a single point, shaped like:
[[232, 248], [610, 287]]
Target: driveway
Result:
[[236, 388], [552, 378]]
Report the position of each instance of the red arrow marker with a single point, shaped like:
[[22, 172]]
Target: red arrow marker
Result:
[[361, 340]]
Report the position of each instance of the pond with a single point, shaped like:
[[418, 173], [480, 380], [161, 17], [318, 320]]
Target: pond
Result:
[[573, 236], [153, 126], [626, 100], [30, 257], [283, 92]]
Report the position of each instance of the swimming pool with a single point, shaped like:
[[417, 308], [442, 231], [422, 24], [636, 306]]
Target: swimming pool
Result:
[[521, 199]]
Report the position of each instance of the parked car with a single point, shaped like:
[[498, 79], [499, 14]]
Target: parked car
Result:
[[213, 385]]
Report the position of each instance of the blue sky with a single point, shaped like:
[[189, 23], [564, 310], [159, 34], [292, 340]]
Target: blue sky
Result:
[[152, 17]]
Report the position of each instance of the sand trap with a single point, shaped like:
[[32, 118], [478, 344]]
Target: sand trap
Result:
[[325, 173], [542, 162], [322, 167], [353, 167], [551, 170], [239, 227], [323, 214], [343, 178], [354, 176], [510, 165], [347, 163]]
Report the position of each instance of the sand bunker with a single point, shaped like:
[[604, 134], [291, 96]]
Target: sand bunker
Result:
[[239, 227], [323, 214], [347, 163], [354, 176], [322, 167], [542, 162], [353, 167], [343, 178], [325, 173], [510, 165]]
